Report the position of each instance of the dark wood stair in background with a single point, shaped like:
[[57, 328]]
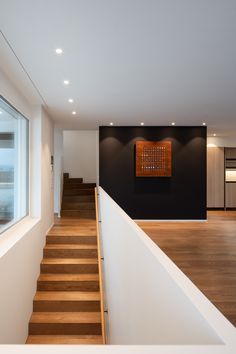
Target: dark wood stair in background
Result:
[[78, 198]]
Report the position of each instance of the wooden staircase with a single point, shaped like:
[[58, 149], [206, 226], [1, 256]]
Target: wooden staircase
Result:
[[67, 304], [78, 198]]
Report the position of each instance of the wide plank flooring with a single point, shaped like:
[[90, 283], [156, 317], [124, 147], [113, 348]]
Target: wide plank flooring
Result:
[[205, 252]]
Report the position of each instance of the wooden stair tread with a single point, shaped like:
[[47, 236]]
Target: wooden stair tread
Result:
[[67, 296], [64, 339], [82, 203], [70, 246], [78, 191], [90, 214], [78, 207], [81, 233], [72, 179], [83, 227], [65, 317], [69, 261], [68, 277], [78, 198], [79, 185]]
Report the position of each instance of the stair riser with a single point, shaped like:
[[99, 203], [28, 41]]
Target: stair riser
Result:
[[79, 185], [64, 328], [73, 253], [78, 206], [73, 180], [69, 268], [76, 192], [79, 240], [78, 199], [68, 286], [79, 214], [67, 306]]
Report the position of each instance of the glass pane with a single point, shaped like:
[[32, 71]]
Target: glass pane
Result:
[[13, 166]]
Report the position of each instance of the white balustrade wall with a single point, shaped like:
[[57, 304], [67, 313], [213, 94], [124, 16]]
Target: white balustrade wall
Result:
[[149, 300]]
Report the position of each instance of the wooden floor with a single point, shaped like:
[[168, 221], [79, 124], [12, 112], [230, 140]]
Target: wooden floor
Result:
[[205, 252]]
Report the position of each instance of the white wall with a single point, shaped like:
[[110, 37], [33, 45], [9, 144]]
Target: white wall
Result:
[[58, 168], [35, 162], [222, 141], [47, 213], [80, 154], [149, 300], [12, 95], [19, 270], [21, 246]]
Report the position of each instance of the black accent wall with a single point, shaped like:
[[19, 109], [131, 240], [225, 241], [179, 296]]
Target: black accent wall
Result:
[[182, 196]]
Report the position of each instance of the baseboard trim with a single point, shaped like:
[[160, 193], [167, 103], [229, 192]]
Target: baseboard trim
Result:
[[49, 228], [215, 209], [222, 209], [170, 220]]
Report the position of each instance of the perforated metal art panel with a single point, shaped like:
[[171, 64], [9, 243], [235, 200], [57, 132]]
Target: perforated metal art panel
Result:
[[153, 159]]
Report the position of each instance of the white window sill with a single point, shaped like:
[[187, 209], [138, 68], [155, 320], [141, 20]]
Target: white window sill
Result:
[[11, 236]]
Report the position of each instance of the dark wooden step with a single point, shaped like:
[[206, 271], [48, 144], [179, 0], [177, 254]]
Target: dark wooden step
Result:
[[71, 239], [78, 198], [64, 323], [66, 301], [80, 191], [68, 282], [69, 265], [78, 206], [79, 185], [73, 180], [70, 251], [90, 214]]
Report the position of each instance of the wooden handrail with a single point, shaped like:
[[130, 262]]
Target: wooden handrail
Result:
[[100, 270]]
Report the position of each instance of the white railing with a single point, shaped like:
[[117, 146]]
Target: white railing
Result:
[[100, 269], [61, 190], [149, 300], [58, 185]]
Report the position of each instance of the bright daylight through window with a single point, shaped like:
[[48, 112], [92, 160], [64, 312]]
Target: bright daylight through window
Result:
[[14, 169]]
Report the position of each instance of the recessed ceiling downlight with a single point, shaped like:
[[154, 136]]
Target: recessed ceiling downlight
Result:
[[0, 112], [111, 123], [142, 123], [70, 100], [214, 134], [59, 51], [204, 123], [173, 123], [74, 113], [66, 82]]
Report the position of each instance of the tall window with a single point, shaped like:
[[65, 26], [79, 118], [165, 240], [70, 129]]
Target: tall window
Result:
[[14, 169]]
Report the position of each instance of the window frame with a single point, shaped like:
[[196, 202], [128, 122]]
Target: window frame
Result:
[[14, 222]]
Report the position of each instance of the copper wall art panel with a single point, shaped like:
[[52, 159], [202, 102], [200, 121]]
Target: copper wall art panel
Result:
[[153, 159]]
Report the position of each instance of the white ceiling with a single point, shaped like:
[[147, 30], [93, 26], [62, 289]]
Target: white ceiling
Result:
[[128, 61]]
